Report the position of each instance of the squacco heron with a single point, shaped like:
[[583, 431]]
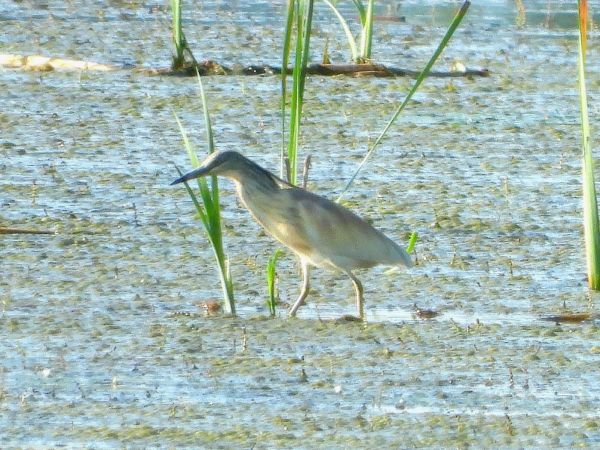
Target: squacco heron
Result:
[[321, 232]]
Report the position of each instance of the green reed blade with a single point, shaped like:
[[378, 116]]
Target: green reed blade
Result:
[[455, 22], [210, 141], [178, 39], [347, 31], [287, 44], [590, 202], [367, 33], [304, 13], [271, 278], [412, 241], [209, 210], [362, 12]]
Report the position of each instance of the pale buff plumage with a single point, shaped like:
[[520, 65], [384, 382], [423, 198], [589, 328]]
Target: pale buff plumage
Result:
[[321, 232]]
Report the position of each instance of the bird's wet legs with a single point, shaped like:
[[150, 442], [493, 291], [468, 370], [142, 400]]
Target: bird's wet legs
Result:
[[360, 300], [303, 292]]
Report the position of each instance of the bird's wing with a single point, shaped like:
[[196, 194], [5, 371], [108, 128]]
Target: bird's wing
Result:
[[340, 237]]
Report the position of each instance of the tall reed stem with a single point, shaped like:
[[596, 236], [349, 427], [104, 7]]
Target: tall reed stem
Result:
[[178, 39], [590, 203], [303, 13], [367, 32]]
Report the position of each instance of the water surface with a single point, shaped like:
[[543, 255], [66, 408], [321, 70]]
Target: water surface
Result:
[[103, 342]]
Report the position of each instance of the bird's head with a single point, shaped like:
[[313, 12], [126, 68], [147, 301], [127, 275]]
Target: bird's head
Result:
[[224, 163]]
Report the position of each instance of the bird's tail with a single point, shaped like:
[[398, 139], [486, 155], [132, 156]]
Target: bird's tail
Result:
[[405, 259], [399, 256]]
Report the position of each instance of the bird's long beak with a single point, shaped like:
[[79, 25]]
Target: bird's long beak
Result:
[[199, 172]]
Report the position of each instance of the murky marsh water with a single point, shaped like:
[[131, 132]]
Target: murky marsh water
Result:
[[103, 344]]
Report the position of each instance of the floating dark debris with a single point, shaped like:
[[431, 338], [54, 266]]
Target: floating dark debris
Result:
[[425, 313], [357, 70], [348, 318], [569, 318], [210, 307], [42, 63], [4, 230]]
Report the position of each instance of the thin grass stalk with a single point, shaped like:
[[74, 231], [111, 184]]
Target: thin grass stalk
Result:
[[271, 281], [209, 209], [295, 103], [304, 12], [347, 31], [210, 140], [412, 241], [305, 48], [178, 39], [362, 12], [590, 202], [367, 33], [292, 146], [455, 22], [287, 44]]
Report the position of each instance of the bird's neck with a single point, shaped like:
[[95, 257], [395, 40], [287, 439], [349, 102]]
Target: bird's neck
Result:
[[254, 189], [259, 190], [252, 177]]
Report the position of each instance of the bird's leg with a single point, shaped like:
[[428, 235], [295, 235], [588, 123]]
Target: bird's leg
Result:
[[304, 291], [360, 301]]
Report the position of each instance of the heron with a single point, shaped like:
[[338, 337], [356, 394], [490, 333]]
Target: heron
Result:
[[319, 231]]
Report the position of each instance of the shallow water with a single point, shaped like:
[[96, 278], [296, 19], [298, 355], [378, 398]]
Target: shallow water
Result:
[[103, 343]]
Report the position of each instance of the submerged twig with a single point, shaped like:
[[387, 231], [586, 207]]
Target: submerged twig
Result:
[[569, 317], [5, 230], [208, 67], [305, 170]]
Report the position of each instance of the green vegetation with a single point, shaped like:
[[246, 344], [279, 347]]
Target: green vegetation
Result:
[[366, 35], [590, 203], [208, 207], [412, 241], [179, 41], [302, 12], [362, 53], [271, 279]]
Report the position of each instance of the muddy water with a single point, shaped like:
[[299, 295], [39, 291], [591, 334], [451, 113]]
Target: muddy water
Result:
[[103, 343]]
